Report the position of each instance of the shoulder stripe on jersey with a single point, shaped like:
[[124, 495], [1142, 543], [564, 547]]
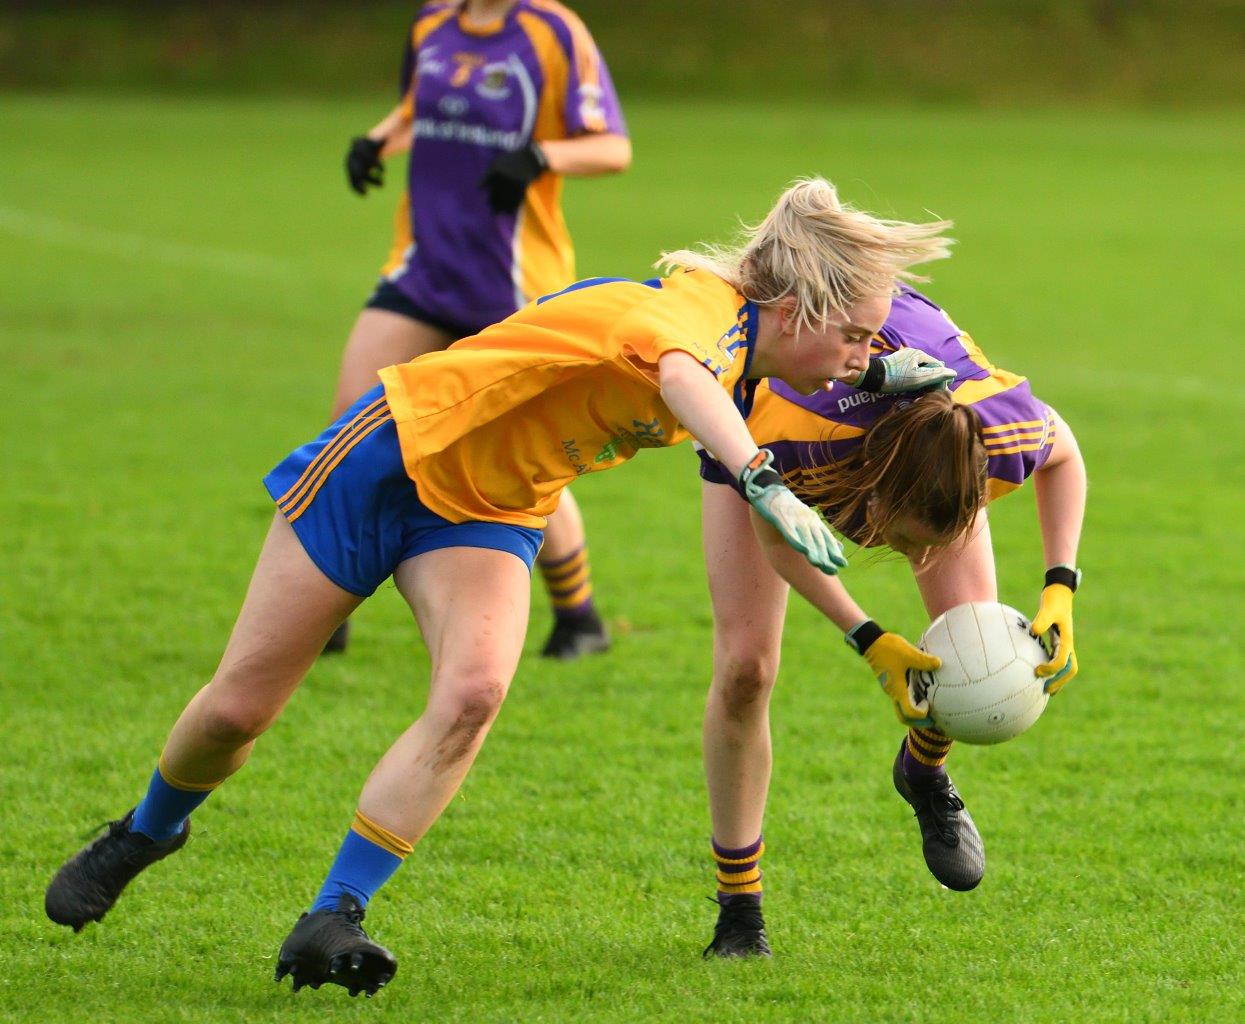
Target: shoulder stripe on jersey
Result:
[[1034, 446], [1028, 442], [974, 352], [587, 64], [972, 391], [1002, 443], [745, 390], [429, 20], [592, 282], [555, 65], [1001, 427]]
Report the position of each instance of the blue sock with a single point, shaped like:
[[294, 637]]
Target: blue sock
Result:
[[163, 811], [360, 869]]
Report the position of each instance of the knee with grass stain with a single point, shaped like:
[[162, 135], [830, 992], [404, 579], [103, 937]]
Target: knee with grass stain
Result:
[[469, 712]]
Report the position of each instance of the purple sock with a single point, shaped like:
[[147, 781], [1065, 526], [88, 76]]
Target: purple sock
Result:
[[739, 872], [569, 582], [932, 746]]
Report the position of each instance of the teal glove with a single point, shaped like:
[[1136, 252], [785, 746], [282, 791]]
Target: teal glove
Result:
[[801, 527], [909, 369]]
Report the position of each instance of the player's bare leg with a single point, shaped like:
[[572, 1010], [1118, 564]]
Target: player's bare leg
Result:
[[958, 573], [378, 339], [749, 606], [952, 847], [289, 611], [563, 562], [472, 607]]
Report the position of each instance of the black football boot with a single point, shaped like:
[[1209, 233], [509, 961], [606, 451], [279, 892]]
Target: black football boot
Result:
[[88, 884], [340, 639], [573, 637], [950, 841], [330, 946], [740, 931]]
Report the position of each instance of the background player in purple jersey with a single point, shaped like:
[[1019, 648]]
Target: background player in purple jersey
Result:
[[499, 100], [911, 475]]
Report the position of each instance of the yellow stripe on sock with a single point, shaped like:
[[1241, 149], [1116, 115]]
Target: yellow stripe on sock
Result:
[[934, 737], [732, 890], [917, 746], [380, 835], [188, 787], [929, 760], [572, 599], [738, 860], [577, 578], [934, 748], [561, 571], [739, 877]]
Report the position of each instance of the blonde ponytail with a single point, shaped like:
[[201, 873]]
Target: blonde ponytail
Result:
[[822, 252]]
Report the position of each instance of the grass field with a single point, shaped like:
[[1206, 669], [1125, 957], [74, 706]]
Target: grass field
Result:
[[179, 278]]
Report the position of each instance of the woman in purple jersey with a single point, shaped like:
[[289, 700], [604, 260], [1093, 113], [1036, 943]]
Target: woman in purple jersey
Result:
[[500, 99], [911, 475]]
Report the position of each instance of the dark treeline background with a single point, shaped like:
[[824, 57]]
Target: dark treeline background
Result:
[[980, 52]]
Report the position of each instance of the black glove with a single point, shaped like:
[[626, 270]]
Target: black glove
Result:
[[509, 175], [363, 166]]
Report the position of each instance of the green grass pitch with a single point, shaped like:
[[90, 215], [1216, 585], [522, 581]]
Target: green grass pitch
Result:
[[179, 278]]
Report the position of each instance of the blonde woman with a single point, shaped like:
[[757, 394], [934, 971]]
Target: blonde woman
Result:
[[443, 478], [500, 101], [912, 475]]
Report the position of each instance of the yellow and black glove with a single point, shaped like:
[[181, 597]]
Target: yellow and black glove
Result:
[[891, 657], [1055, 617]]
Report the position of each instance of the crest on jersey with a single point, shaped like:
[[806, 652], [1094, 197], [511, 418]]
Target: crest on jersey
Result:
[[494, 81]]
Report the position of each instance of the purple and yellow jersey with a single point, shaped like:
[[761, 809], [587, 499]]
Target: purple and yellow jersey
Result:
[[809, 433], [494, 427], [471, 94]]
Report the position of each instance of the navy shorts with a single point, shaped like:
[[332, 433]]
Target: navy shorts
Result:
[[389, 297], [357, 513]]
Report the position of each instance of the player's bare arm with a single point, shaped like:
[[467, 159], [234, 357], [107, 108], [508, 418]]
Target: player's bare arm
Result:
[[1060, 487], [588, 155]]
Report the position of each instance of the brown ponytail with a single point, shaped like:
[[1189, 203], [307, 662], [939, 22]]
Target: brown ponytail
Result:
[[924, 459]]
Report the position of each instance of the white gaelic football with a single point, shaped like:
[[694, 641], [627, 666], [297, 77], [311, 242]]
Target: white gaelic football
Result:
[[986, 691]]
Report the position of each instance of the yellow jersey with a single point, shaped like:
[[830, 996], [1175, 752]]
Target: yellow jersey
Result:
[[494, 427]]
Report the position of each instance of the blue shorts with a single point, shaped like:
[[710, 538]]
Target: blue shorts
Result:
[[357, 513]]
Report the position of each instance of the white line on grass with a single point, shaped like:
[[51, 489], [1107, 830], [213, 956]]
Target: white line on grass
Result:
[[65, 234]]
